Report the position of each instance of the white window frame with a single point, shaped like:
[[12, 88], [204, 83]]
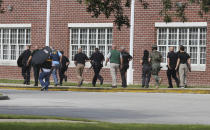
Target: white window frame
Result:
[[12, 26], [199, 25], [89, 26]]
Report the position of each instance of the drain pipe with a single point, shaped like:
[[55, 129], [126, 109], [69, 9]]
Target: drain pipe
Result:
[[48, 24], [130, 70]]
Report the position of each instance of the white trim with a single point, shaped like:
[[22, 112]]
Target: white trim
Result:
[[8, 63], [90, 25], [15, 25], [193, 66], [48, 24], [130, 70], [181, 24]]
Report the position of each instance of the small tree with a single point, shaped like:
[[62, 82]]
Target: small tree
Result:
[[115, 8]]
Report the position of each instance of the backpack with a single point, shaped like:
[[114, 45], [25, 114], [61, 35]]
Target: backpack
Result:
[[20, 60]]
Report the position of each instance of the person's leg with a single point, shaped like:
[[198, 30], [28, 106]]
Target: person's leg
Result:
[[181, 74], [175, 78], [122, 72], [143, 77], [54, 74], [24, 74], [113, 74], [81, 73], [61, 75], [116, 68], [96, 73], [78, 73], [169, 73], [148, 76], [99, 76], [47, 81], [157, 79], [41, 77], [185, 75], [36, 69], [28, 70]]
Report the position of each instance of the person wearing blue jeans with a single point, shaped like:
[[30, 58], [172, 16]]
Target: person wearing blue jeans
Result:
[[44, 76], [56, 57]]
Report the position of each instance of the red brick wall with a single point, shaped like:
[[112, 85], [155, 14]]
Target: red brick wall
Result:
[[64, 12]]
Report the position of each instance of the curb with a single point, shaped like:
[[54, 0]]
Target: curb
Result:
[[133, 90]]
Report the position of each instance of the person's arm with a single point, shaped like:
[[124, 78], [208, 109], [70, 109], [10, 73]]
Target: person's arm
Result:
[[29, 59], [107, 59], [168, 60], [177, 64]]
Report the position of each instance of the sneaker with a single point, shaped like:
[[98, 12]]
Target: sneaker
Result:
[[181, 86], [43, 88]]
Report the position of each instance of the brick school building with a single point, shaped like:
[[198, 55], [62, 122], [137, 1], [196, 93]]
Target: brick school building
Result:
[[65, 25]]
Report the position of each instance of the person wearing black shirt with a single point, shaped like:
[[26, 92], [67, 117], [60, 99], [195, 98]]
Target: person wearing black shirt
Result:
[[97, 59], [79, 60], [36, 68], [63, 68], [26, 68], [44, 77], [171, 72], [146, 69], [183, 63], [124, 67]]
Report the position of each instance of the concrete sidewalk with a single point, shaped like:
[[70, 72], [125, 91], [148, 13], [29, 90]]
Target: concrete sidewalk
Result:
[[107, 89]]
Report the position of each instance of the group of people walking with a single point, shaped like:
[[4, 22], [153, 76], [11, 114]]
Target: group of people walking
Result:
[[178, 64], [56, 62]]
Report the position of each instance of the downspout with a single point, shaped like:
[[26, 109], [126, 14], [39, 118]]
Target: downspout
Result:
[[48, 24], [130, 70]]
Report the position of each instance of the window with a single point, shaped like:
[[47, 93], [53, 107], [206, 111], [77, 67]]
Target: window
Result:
[[13, 42], [90, 38], [193, 38]]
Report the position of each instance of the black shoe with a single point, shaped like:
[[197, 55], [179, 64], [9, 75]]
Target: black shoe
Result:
[[24, 82], [170, 87], [43, 88], [56, 85], [147, 86], [35, 85], [101, 81], [65, 78], [81, 83], [28, 83], [94, 85]]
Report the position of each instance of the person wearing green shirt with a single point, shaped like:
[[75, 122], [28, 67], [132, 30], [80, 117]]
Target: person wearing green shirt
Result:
[[116, 62]]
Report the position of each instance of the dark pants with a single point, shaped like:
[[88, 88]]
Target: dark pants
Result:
[[36, 73], [146, 75], [123, 75], [44, 79], [172, 73], [62, 71], [26, 74], [97, 75]]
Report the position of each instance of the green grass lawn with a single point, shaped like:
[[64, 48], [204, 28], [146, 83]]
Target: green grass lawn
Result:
[[90, 85], [87, 126]]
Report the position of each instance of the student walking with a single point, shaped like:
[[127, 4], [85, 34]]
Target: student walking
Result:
[[79, 60], [171, 72], [44, 77], [126, 59], [26, 67], [146, 69], [155, 58], [36, 67], [115, 59], [56, 57], [183, 63], [63, 68], [97, 59]]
